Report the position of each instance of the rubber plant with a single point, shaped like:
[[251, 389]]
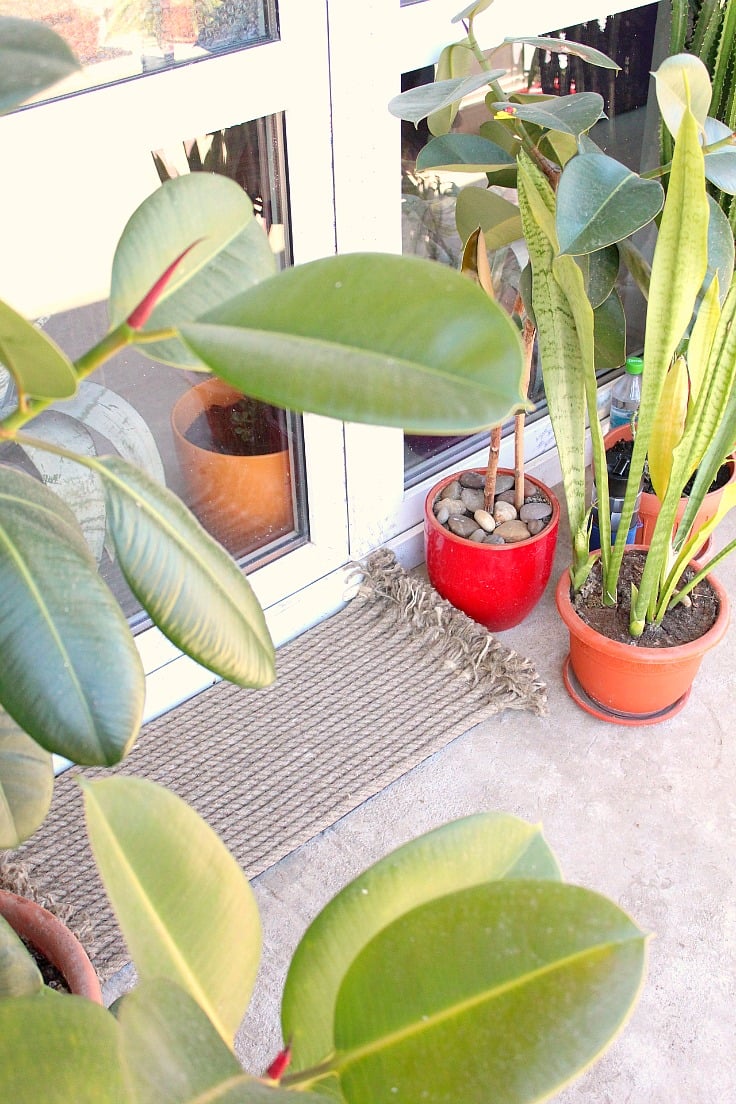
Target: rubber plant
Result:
[[459, 967], [362, 338]]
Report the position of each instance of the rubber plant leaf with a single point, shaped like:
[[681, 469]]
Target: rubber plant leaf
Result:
[[609, 333], [32, 58], [720, 165], [79, 1059], [184, 906], [464, 153], [455, 62], [682, 81], [37, 365], [544, 973], [417, 103], [19, 975], [472, 10], [206, 220], [499, 220], [720, 249], [57, 618], [465, 852], [600, 201], [570, 114], [397, 341], [26, 784], [600, 272], [573, 49], [191, 588]]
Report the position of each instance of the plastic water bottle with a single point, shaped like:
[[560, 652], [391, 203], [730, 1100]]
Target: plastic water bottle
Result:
[[626, 393]]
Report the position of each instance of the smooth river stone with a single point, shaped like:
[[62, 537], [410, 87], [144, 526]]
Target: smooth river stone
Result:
[[473, 499], [535, 527], [455, 506], [462, 526], [535, 511], [485, 520], [512, 531], [503, 511], [504, 483], [452, 490], [476, 480]]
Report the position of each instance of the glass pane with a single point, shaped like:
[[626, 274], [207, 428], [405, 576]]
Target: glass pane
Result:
[[126, 38], [236, 463], [428, 197]]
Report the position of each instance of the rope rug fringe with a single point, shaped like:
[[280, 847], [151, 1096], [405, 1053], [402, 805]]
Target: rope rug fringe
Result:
[[358, 701]]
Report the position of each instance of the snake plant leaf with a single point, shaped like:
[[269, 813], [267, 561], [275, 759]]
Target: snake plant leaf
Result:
[[417, 103], [397, 341], [667, 429], [600, 201], [499, 219], [567, 46], [720, 165], [529, 981], [37, 365], [80, 1056], [32, 58], [57, 618], [26, 784], [609, 333], [19, 975], [184, 906], [192, 589], [465, 852], [570, 114], [682, 81], [455, 62], [463, 153]]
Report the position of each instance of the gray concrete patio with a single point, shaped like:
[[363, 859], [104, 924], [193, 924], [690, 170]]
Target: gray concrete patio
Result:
[[645, 815]]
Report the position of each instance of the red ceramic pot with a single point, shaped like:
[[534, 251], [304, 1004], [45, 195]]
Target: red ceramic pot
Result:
[[495, 584], [629, 684]]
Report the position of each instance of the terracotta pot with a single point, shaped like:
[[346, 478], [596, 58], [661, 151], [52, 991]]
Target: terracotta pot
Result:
[[54, 941], [243, 501], [650, 505], [629, 684], [495, 584]]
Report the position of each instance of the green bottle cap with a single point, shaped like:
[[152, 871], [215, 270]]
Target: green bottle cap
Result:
[[634, 365]]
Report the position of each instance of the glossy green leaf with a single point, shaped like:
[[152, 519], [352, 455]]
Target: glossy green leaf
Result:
[[464, 153], [230, 253], [26, 783], [570, 114], [417, 103], [600, 272], [370, 337], [57, 1048], [32, 58], [192, 589], [184, 906], [559, 147], [527, 981], [499, 220], [55, 606], [609, 329], [600, 201], [720, 249], [37, 365], [567, 46], [720, 165], [19, 975], [464, 852], [455, 61], [682, 80]]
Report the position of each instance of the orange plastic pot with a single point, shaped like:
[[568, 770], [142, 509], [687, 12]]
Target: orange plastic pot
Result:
[[243, 501], [497, 585], [54, 941], [627, 684]]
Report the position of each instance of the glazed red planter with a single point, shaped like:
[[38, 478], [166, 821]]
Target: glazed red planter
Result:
[[495, 584]]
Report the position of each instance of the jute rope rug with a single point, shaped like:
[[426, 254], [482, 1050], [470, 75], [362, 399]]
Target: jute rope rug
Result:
[[358, 701]]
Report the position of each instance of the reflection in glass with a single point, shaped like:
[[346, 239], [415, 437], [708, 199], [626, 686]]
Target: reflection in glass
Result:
[[125, 38]]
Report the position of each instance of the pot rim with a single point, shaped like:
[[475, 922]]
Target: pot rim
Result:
[[500, 548], [645, 655]]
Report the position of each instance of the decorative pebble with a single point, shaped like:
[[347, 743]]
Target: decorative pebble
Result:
[[503, 511], [506, 496], [504, 483], [462, 526], [512, 531], [476, 480], [441, 513], [536, 525], [478, 536], [493, 538], [452, 490], [485, 520], [535, 511], [456, 506], [473, 499]]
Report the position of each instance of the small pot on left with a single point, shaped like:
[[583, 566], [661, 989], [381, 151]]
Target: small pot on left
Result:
[[54, 941]]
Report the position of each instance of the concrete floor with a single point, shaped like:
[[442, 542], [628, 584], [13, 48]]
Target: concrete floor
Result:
[[645, 815]]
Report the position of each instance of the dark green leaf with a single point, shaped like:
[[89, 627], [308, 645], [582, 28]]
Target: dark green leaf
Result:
[[609, 322], [32, 58], [527, 981], [570, 114], [19, 976], [372, 338], [26, 783], [38, 366], [455, 60], [192, 589], [57, 620], [498, 219], [566, 46], [600, 201], [600, 271], [417, 103], [463, 152]]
